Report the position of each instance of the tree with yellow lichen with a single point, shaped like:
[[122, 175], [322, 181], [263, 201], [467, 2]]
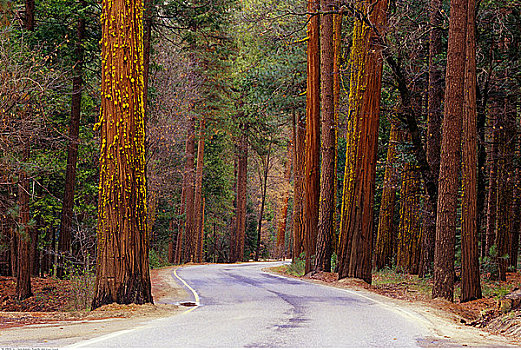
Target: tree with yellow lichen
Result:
[[356, 223], [122, 271]]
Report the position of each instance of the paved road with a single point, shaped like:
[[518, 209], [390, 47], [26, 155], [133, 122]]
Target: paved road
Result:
[[243, 306]]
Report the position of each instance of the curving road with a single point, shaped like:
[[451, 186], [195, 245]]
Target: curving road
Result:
[[243, 306]]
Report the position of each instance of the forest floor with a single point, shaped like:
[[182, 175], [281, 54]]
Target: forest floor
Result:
[[484, 313], [63, 303]]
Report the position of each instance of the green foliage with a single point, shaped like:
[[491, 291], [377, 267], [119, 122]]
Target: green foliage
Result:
[[82, 278], [297, 266], [158, 258]]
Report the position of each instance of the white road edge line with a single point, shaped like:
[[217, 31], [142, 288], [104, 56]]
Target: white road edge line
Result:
[[86, 343], [196, 296]]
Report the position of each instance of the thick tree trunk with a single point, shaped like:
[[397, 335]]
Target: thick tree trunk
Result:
[[386, 236], [433, 136], [470, 277], [29, 15], [450, 149], [298, 187], [122, 273], [198, 196], [64, 243], [327, 204], [312, 153], [356, 226]]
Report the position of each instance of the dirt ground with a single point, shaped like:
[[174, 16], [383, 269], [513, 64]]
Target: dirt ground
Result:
[[482, 314], [46, 323]]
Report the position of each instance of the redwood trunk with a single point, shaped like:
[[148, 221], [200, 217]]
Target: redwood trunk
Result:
[[122, 273], [450, 149], [327, 204], [312, 152], [470, 277], [282, 222]]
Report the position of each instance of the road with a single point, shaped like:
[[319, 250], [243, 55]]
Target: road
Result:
[[244, 306]]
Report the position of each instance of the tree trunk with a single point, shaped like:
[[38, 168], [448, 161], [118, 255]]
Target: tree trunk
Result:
[[299, 132], [29, 15], [356, 225], [408, 240], [264, 187], [64, 243], [492, 156], [450, 149], [433, 135], [327, 204], [242, 190], [282, 222], [187, 193], [386, 236], [188, 246], [198, 197], [312, 150], [470, 277], [122, 273], [23, 273], [505, 185]]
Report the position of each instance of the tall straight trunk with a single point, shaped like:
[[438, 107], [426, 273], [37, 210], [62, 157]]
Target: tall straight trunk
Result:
[[200, 245], [282, 222], [433, 143], [242, 189], [327, 204], [505, 185], [490, 233], [386, 236], [450, 149], [312, 152], [23, 273], [187, 198], [264, 187], [470, 277], [408, 240], [198, 196], [64, 243], [298, 186], [188, 246], [356, 224], [122, 269], [337, 64]]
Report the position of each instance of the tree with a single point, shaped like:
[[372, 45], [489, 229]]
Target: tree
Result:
[[312, 144], [386, 235], [356, 224], [283, 213], [470, 277], [64, 243], [299, 134], [198, 197], [434, 111], [122, 273], [450, 149], [327, 203]]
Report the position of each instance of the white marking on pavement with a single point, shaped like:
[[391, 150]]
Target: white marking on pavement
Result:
[[196, 296]]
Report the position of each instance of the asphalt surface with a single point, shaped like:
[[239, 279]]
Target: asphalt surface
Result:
[[244, 306]]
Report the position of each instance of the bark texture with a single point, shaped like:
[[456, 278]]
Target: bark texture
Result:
[[470, 277], [327, 204], [356, 226], [198, 197], [122, 271], [298, 187], [450, 149], [312, 152]]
